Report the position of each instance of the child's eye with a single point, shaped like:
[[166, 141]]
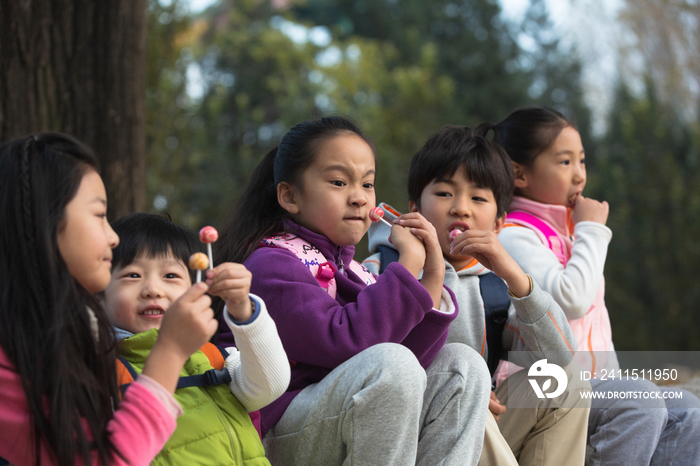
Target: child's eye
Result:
[[132, 275], [478, 199], [583, 161], [443, 194], [171, 275], [338, 183], [368, 186], [565, 162]]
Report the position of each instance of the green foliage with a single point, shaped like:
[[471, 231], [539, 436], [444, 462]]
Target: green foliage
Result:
[[648, 170], [470, 43], [172, 122]]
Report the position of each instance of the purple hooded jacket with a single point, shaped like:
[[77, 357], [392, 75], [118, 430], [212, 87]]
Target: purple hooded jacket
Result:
[[319, 333]]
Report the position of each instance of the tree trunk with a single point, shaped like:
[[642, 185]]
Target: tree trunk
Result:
[[78, 66]]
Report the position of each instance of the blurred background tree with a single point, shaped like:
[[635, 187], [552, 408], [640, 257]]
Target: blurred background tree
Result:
[[224, 84], [78, 66]]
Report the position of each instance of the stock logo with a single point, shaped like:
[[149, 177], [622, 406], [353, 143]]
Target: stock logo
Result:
[[543, 369]]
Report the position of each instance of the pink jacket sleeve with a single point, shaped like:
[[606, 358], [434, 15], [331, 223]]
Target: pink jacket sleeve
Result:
[[139, 429]]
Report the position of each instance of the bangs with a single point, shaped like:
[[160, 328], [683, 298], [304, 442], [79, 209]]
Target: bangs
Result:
[[486, 164], [152, 236]]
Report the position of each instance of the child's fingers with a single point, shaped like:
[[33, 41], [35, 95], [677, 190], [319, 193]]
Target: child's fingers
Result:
[[201, 304], [195, 292], [230, 271], [471, 237], [231, 285], [479, 247], [211, 326], [416, 222], [226, 267], [421, 233], [496, 408]]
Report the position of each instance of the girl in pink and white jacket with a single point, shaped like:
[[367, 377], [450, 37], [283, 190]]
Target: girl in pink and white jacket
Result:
[[559, 238], [59, 402]]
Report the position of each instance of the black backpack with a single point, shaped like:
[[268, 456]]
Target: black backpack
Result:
[[494, 293]]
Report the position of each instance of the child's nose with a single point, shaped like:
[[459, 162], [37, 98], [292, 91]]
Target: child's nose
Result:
[[461, 207], [112, 237], [151, 289], [358, 197]]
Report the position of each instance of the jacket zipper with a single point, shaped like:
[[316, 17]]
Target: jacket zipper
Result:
[[338, 260], [231, 435]]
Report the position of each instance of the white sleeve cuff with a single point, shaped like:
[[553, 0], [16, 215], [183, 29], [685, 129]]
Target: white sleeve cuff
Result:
[[447, 306]]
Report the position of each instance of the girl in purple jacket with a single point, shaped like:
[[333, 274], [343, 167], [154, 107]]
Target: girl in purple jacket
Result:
[[372, 379]]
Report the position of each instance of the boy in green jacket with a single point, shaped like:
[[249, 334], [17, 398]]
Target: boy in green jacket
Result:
[[217, 388]]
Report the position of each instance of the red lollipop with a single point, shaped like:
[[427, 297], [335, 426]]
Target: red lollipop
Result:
[[209, 235], [454, 233], [376, 214]]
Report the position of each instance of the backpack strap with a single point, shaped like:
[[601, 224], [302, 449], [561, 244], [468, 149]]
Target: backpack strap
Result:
[[494, 294], [387, 255], [125, 374], [545, 232], [216, 355], [309, 255], [362, 272]]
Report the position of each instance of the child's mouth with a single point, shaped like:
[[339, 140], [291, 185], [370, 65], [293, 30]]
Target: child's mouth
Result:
[[152, 312], [461, 226], [572, 199]]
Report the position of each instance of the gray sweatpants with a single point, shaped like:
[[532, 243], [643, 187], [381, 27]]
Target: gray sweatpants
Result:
[[381, 408], [647, 431]]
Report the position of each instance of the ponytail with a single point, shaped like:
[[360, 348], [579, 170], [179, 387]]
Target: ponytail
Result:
[[257, 214], [527, 132], [484, 128]]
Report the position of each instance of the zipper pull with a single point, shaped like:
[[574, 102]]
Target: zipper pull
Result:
[[338, 260]]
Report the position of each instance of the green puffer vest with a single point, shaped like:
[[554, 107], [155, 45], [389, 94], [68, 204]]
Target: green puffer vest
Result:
[[214, 428]]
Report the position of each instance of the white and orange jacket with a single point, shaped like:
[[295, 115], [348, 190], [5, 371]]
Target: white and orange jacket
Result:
[[567, 261]]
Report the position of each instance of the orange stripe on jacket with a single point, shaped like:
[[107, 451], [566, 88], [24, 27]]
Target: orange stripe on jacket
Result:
[[590, 350], [562, 333]]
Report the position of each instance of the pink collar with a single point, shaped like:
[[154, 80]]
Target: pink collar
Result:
[[555, 215]]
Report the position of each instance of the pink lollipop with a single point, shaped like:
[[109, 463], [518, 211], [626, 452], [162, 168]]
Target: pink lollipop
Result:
[[377, 214], [199, 262], [454, 233], [209, 235]]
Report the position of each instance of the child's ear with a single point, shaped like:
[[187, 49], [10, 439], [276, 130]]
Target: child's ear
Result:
[[520, 175], [286, 198], [500, 221], [412, 206]]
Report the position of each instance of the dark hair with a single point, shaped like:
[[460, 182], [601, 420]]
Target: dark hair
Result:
[[257, 213], [46, 325], [485, 163], [152, 236], [527, 132]]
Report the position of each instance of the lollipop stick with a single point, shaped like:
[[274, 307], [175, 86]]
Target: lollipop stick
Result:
[[385, 221], [211, 258], [199, 276]]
